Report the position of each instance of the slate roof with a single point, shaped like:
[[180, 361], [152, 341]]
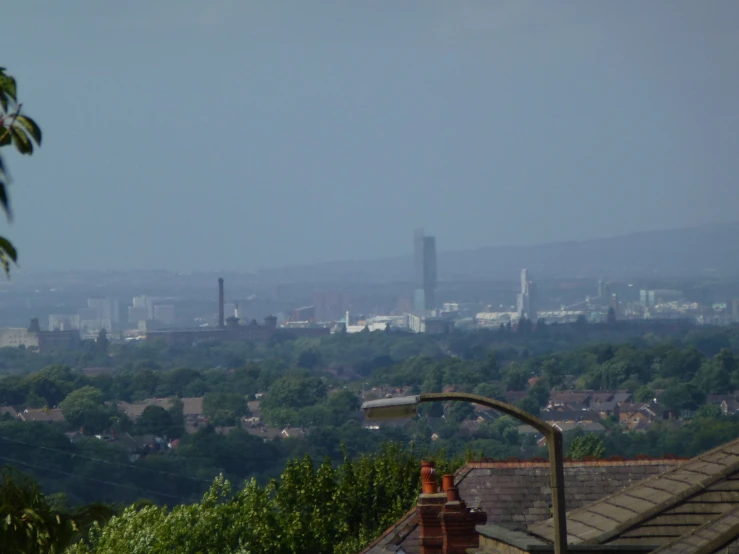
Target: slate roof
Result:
[[569, 415], [42, 414], [513, 396], [567, 397], [255, 407], [716, 399], [601, 396], [263, 432], [621, 397], [134, 410], [8, 410], [528, 430], [661, 509], [191, 406], [403, 535], [708, 538], [515, 494], [588, 427], [609, 406]]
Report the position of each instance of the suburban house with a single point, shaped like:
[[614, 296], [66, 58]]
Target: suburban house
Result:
[[569, 416], [516, 494], [635, 506], [573, 400], [44, 415], [726, 402], [192, 409], [585, 427], [640, 415], [8, 410], [607, 409]]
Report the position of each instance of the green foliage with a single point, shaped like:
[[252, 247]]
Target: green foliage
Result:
[[102, 343], [515, 377], [225, 408], [31, 524], [154, 420], [294, 398], [328, 405], [488, 390], [709, 412], [644, 394], [322, 509], [586, 446], [309, 358], [23, 133], [682, 396], [460, 411], [85, 408], [718, 375], [296, 390], [530, 405]]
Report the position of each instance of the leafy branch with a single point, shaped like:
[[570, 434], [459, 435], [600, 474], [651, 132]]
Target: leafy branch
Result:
[[22, 132]]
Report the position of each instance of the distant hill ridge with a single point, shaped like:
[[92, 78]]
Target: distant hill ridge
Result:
[[688, 252]]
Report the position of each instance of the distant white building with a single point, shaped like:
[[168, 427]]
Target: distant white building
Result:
[[64, 322], [165, 313], [526, 300], [18, 336]]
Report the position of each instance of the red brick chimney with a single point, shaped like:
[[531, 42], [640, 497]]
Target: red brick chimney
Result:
[[429, 509], [458, 524], [446, 525]]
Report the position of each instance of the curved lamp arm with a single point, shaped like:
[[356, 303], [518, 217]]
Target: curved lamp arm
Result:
[[396, 407], [539, 424]]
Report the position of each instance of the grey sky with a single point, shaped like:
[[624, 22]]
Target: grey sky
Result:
[[239, 135]]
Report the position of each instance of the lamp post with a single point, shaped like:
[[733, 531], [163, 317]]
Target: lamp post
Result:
[[407, 406]]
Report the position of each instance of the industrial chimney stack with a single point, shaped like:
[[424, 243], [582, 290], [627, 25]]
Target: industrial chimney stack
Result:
[[221, 322]]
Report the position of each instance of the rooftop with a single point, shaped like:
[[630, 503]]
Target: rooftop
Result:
[[661, 509], [515, 494]]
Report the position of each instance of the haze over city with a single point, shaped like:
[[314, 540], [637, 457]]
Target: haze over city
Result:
[[352, 277], [244, 135]]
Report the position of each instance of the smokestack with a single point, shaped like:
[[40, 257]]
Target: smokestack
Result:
[[221, 322]]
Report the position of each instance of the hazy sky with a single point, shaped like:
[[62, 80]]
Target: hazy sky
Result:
[[239, 135]]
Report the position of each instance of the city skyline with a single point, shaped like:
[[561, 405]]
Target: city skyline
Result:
[[526, 300], [425, 273], [456, 111]]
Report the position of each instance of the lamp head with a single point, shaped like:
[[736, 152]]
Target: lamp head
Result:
[[391, 408]]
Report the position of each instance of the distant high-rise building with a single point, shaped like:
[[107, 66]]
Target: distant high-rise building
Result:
[[64, 322], [424, 268], [142, 309], [105, 309], [526, 300], [306, 313], [330, 305], [604, 291], [165, 313]]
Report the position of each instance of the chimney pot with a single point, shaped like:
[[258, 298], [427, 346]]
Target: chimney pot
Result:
[[452, 494], [447, 481], [428, 478]]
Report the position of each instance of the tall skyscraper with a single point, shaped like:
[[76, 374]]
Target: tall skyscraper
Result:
[[424, 268], [104, 311], [604, 292], [526, 300]]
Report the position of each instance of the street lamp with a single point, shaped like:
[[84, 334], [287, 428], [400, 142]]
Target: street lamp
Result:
[[407, 406]]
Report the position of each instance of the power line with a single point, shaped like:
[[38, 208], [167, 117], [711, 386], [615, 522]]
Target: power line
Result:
[[175, 453], [138, 489], [74, 454]]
